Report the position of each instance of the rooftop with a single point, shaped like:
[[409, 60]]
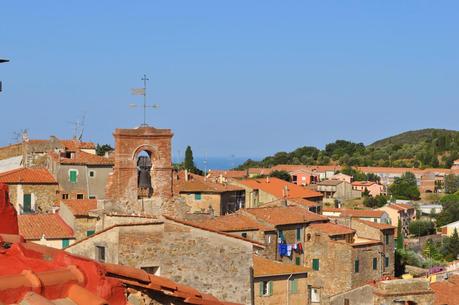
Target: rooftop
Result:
[[234, 222], [28, 176], [192, 186], [446, 292], [81, 207], [356, 213], [265, 267], [379, 226], [363, 183], [330, 182], [285, 215], [277, 187], [82, 158], [331, 229], [34, 226]]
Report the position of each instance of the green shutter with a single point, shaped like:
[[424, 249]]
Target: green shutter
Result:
[[197, 196], [315, 264], [270, 288], [375, 263], [65, 243], [293, 285], [73, 176], [298, 260], [356, 266], [261, 289], [27, 203], [298, 234], [90, 232]]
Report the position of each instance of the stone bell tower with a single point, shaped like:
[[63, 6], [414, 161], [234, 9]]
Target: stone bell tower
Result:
[[142, 175]]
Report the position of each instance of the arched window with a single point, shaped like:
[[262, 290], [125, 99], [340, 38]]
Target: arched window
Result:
[[144, 185]]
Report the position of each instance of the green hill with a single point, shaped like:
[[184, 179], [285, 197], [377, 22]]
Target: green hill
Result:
[[419, 148]]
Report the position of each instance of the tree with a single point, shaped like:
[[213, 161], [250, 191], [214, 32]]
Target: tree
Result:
[[421, 228], [283, 175], [102, 149], [188, 163], [450, 211], [356, 174], [405, 187], [399, 241], [453, 246], [451, 184], [375, 202]]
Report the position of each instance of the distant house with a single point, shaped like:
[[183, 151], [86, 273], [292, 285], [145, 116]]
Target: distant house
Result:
[[304, 177], [337, 190], [448, 229], [81, 175], [279, 283], [341, 177], [77, 214], [373, 188], [46, 229], [222, 176], [204, 196], [405, 212], [455, 164], [376, 216], [31, 189], [430, 209], [264, 190]]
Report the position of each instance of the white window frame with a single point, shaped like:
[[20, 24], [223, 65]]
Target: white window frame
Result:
[[266, 287], [93, 172]]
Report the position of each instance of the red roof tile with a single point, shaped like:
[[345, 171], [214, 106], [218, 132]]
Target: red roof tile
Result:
[[379, 226], [446, 292], [285, 215], [363, 183], [234, 222], [331, 229], [362, 213], [28, 176], [215, 173], [34, 226], [276, 187], [194, 186], [266, 267], [82, 158], [81, 207]]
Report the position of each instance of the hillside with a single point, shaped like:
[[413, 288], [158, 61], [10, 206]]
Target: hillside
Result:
[[419, 148]]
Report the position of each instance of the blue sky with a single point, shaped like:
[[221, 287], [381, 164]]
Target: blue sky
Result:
[[242, 78]]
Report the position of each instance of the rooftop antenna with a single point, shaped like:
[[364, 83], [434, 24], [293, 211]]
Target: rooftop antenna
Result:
[[78, 128], [143, 91]]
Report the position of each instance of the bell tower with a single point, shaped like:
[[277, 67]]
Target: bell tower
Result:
[[142, 175]]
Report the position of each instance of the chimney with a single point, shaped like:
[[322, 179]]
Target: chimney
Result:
[[186, 175], [267, 179]]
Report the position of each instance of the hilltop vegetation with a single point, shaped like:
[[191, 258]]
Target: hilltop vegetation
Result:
[[420, 148]]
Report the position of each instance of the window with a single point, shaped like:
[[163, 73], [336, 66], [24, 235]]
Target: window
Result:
[[387, 238], [315, 264], [375, 219], [386, 261], [92, 196], [244, 235], [346, 302], [356, 265], [293, 285], [27, 203], [65, 196], [298, 234], [90, 232], [65, 243], [197, 196], [100, 253], [297, 260], [73, 175], [92, 174], [375, 263], [314, 294], [266, 288], [80, 196]]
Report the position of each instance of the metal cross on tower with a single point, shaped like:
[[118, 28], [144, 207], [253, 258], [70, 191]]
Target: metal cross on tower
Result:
[[143, 91]]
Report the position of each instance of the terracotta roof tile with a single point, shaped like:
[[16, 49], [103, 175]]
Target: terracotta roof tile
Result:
[[446, 292], [34, 226], [81, 207], [400, 206], [285, 215], [363, 183], [82, 158], [215, 173], [234, 222], [379, 226], [330, 182], [362, 213], [331, 229], [28, 176], [304, 202], [266, 267], [205, 187], [276, 187]]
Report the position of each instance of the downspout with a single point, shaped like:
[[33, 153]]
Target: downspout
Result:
[[288, 289], [252, 287]]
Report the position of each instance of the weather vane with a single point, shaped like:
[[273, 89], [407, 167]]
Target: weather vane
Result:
[[143, 91]]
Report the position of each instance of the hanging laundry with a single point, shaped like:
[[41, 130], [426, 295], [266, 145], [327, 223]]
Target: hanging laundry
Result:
[[300, 248], [295, 247], [289, 250], [283, 250]]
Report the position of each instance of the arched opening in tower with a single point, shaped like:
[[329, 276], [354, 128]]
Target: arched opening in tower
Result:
[[144, 185]]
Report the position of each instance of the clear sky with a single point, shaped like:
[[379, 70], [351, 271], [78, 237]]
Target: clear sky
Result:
[[242, 78]]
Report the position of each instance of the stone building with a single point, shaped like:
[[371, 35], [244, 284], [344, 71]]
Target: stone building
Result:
[[279, 283], [204, 196], [212, 261], [46, 229], [377, 216], [261, 191], [337, 190], [135, 189], [31, 189], [339, 261], [79, 215], [80, 174]]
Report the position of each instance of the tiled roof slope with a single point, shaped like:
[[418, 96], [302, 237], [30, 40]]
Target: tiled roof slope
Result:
[[35, 274], [28, 176], [266, 267], [331, 229], [34, 226], [362, 213], [205, 187], [234, 222], [276, 187], [285, 215], [81, 207], [446, 292], [82, 158], [379, 226]]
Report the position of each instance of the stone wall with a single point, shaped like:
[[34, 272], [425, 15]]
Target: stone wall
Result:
[[359, 296], [43, 196], [280, 291], [202, 205], [365, 255], [416, 291]]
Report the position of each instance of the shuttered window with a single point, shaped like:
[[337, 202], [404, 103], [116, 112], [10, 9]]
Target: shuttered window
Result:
[[298, 260], [356, 266], [293, 285], [315, 264], [65, 243], [375, 263], [27, 203], [73, 176]]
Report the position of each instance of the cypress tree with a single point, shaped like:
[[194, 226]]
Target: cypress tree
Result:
[[188, 163], [399, 244]]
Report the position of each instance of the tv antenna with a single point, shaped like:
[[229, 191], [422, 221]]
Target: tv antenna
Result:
[[78, 127], [143, 91]]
